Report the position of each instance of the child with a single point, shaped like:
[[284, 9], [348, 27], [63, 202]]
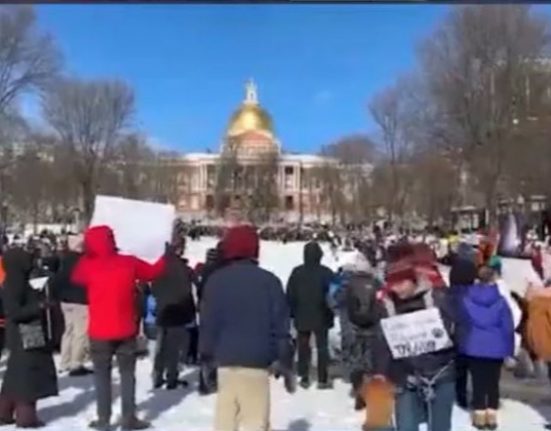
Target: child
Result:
[[486, 338]]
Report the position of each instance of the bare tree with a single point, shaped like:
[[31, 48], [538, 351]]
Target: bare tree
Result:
[[390, 111], [28, 57], [260, 187], [355, 154], [89, 117], [227, 171], [476, 64], [331, 179]]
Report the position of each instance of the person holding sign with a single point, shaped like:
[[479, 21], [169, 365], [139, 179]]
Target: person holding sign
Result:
[[414, 349], [486, 337], [110, 280]]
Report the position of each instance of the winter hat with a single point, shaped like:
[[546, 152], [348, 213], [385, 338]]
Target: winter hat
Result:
[[355, 261], [240, 242], [399, 271]]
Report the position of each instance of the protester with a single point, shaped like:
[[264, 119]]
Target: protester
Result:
[[424, 382], [244, 329], [175, 309], [361, 301], [463, 274], [74, 305], [207, 370], [30, 373], [307, 290], [486, 338], [110, 281]]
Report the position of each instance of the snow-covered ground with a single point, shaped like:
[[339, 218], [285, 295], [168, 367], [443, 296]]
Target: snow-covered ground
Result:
[[185, 410]]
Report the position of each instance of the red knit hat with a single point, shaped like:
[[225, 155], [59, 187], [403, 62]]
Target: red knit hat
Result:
[[399, 271], [240, 242]]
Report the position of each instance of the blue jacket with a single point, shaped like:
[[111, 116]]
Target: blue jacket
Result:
[[335, 299], [485, 324], [244, 316]]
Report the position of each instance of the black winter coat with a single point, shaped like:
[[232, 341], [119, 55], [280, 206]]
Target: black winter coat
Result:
[[307, 290], [30, 374], [173, 292], [426, 365], [62, 288]]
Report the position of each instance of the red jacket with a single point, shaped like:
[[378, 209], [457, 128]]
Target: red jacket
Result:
[[110, 280]]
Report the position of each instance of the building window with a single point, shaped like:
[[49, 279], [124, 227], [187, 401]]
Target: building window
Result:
[[289, 203], [211, 175], [289, 177]]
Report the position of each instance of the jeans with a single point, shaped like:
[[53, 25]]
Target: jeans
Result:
[[412, 410], [102, 357], [171, 342], [305, 353]]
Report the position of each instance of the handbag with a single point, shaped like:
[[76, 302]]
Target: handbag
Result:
[[32, 335]]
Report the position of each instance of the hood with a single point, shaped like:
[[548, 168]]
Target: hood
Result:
[[312, 253], [240, 242], [483, 303], [484, 295], [17, 262], [463, 273], [99, 241]]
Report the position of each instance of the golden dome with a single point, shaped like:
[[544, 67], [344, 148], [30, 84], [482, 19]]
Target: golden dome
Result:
[[250, 116]]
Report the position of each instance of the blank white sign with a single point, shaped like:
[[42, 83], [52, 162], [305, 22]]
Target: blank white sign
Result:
[[141, 228]]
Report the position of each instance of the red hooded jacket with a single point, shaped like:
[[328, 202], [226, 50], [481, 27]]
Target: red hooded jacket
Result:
[[110, 280]]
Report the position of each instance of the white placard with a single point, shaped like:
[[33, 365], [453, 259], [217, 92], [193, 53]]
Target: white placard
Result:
[[417, 333], [141, 228], [38, 283]]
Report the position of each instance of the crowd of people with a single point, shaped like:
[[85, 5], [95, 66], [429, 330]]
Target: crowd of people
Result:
[[239, 325]]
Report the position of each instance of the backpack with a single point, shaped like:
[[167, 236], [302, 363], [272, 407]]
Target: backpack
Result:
[[538, 327]]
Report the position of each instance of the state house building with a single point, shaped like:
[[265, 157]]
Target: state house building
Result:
[[250, 134]]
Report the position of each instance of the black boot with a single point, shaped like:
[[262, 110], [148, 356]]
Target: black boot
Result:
[[305, 383]]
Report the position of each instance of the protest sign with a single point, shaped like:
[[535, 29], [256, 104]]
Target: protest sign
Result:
[[38, 283], [416, 333], [141, 228]]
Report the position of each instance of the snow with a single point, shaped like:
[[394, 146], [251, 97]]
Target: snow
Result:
[[185, 410]]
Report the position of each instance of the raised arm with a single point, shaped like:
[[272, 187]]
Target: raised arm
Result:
[[146, 272]]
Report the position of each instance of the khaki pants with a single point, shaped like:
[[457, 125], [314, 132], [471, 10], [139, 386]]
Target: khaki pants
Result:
[[243, 400], [75, 343]]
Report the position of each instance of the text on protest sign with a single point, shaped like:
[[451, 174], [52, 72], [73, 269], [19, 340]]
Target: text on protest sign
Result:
[[416, 333]]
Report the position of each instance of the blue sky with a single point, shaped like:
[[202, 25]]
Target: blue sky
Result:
[[316, 66]]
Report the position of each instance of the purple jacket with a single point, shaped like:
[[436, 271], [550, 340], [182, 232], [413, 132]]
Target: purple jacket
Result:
[[485, 324]]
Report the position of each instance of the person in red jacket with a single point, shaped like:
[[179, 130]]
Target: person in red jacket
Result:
[[111, 280]]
